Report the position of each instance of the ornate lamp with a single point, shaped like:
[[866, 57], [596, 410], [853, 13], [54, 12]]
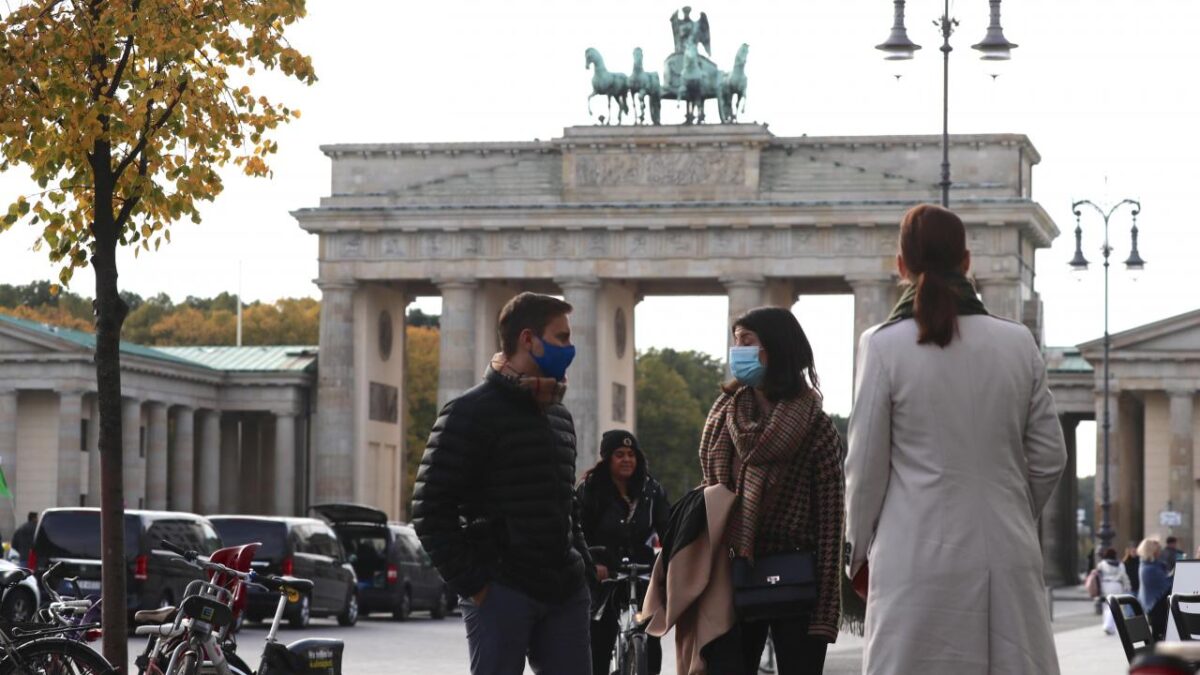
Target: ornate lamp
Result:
[[898, 47], [995, 47], [1079, 264], [1134, 262]]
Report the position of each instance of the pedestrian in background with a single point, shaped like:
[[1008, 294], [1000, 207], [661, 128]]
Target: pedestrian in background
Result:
[[1155, 585], [22, 539], [1171, 554], [768, 440], [624, 510], [955, 448], [1113, 580], [494, 503], [1132, 564]]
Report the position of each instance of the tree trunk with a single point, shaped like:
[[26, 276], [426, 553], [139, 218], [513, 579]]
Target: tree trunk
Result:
[[110, 312]]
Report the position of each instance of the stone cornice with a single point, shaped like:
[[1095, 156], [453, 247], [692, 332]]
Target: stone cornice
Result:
[[630, 136]]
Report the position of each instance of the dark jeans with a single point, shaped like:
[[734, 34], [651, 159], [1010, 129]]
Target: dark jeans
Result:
[[510, 626], [795, 652], [739, 651], [604, 638]]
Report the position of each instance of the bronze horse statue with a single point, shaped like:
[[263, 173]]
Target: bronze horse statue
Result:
[[609, 84], [646, 90]]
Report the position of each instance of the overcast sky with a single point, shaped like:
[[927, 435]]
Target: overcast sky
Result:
[[1106, 90]]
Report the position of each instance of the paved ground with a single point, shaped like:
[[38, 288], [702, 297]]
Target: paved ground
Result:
[[377, 646]]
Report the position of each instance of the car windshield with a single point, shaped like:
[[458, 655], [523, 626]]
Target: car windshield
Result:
[[76, 534], [238, 531]]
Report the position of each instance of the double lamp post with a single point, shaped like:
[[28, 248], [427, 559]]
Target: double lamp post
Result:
[[993, 47], [1133, 263]]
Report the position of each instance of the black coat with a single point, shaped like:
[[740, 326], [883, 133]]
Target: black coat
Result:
[[494, 498], [607, 521]]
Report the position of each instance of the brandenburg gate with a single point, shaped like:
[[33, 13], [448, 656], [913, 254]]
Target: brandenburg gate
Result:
[[604, 216]]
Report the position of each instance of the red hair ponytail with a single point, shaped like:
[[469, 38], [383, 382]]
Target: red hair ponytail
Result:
[[933, 244]]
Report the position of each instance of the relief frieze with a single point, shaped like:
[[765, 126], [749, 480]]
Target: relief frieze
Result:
[[660, 168]]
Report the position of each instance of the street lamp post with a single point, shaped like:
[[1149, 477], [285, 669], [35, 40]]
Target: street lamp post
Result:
[[1133, 263], [993, 47]]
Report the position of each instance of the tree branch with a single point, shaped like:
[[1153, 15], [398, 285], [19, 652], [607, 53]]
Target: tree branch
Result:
[[147, 131], [120, 71]]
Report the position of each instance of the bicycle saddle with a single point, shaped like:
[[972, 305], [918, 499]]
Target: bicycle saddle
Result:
[[280, 583], [13, 577], [160, 615]]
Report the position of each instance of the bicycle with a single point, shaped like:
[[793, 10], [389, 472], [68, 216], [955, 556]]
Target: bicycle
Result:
[[38, 649], [197, 637], [629, 653]]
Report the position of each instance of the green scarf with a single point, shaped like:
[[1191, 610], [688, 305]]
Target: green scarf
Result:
[[968, 302]]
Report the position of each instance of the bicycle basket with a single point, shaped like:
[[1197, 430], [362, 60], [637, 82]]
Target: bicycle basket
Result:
[[208, 610]]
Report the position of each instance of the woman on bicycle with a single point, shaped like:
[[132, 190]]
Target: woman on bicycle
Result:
[[768, 440], [623, 510]]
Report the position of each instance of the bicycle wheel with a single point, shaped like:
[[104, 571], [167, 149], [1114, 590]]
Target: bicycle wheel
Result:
[[55, 656], [635, 661], [184, 660]]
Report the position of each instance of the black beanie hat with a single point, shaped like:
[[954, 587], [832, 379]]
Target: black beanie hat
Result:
[[615, 438]]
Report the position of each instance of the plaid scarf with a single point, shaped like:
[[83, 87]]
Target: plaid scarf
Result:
[[546, 391], [750, 455]]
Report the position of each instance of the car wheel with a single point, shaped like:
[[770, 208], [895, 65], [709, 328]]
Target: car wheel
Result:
[[302, 614], [404, 609], [19, 605], [441, 606], [350, 616]]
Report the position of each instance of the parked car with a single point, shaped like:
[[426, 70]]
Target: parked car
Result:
[[301, 547], [72, 535], [20, 602], [394, 572]]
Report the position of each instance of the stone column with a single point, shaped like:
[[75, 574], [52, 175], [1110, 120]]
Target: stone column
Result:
[[1181, 473], [745, 293], [874, 298], [156, 455], [70, 415], [456, 368], [181, 465], [208, 487], [249, 475], [230, 464], [1058, 519], [131, 453], [873, 302], [8, 452], [335, 443], [1002, 297], [93, 446], [583, 383], [285, 465]]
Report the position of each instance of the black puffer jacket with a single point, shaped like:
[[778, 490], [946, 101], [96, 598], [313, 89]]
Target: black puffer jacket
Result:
[[494, 498], [606, 518]]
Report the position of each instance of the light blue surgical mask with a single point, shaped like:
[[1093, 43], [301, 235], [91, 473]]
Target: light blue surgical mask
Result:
[[745, 366]]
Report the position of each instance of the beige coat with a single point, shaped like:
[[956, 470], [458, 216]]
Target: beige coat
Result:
[[695, 595], [953, 453]]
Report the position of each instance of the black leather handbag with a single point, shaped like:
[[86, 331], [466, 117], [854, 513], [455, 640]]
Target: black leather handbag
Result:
[[775, 586]]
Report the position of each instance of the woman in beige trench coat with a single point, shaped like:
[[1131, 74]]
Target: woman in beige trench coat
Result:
[[955, 447]]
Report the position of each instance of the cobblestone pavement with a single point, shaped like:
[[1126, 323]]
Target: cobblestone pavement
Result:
[[377, 646]]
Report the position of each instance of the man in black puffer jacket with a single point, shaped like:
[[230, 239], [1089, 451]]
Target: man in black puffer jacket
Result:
[[494, 503]]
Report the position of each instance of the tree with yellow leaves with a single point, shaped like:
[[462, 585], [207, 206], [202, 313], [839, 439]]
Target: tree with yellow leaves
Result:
[[122, 111]]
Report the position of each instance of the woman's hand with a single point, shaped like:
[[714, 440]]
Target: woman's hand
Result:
[[479, 597], [861, 582], [601, 572]]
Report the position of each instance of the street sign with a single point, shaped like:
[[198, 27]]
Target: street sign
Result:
[[1170, 518]]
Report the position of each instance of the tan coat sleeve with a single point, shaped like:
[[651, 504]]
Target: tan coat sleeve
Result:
[[868, 461], [1045, 449]]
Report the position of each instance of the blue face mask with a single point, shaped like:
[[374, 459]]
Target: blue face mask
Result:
[[744, 364], [554, 360]]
